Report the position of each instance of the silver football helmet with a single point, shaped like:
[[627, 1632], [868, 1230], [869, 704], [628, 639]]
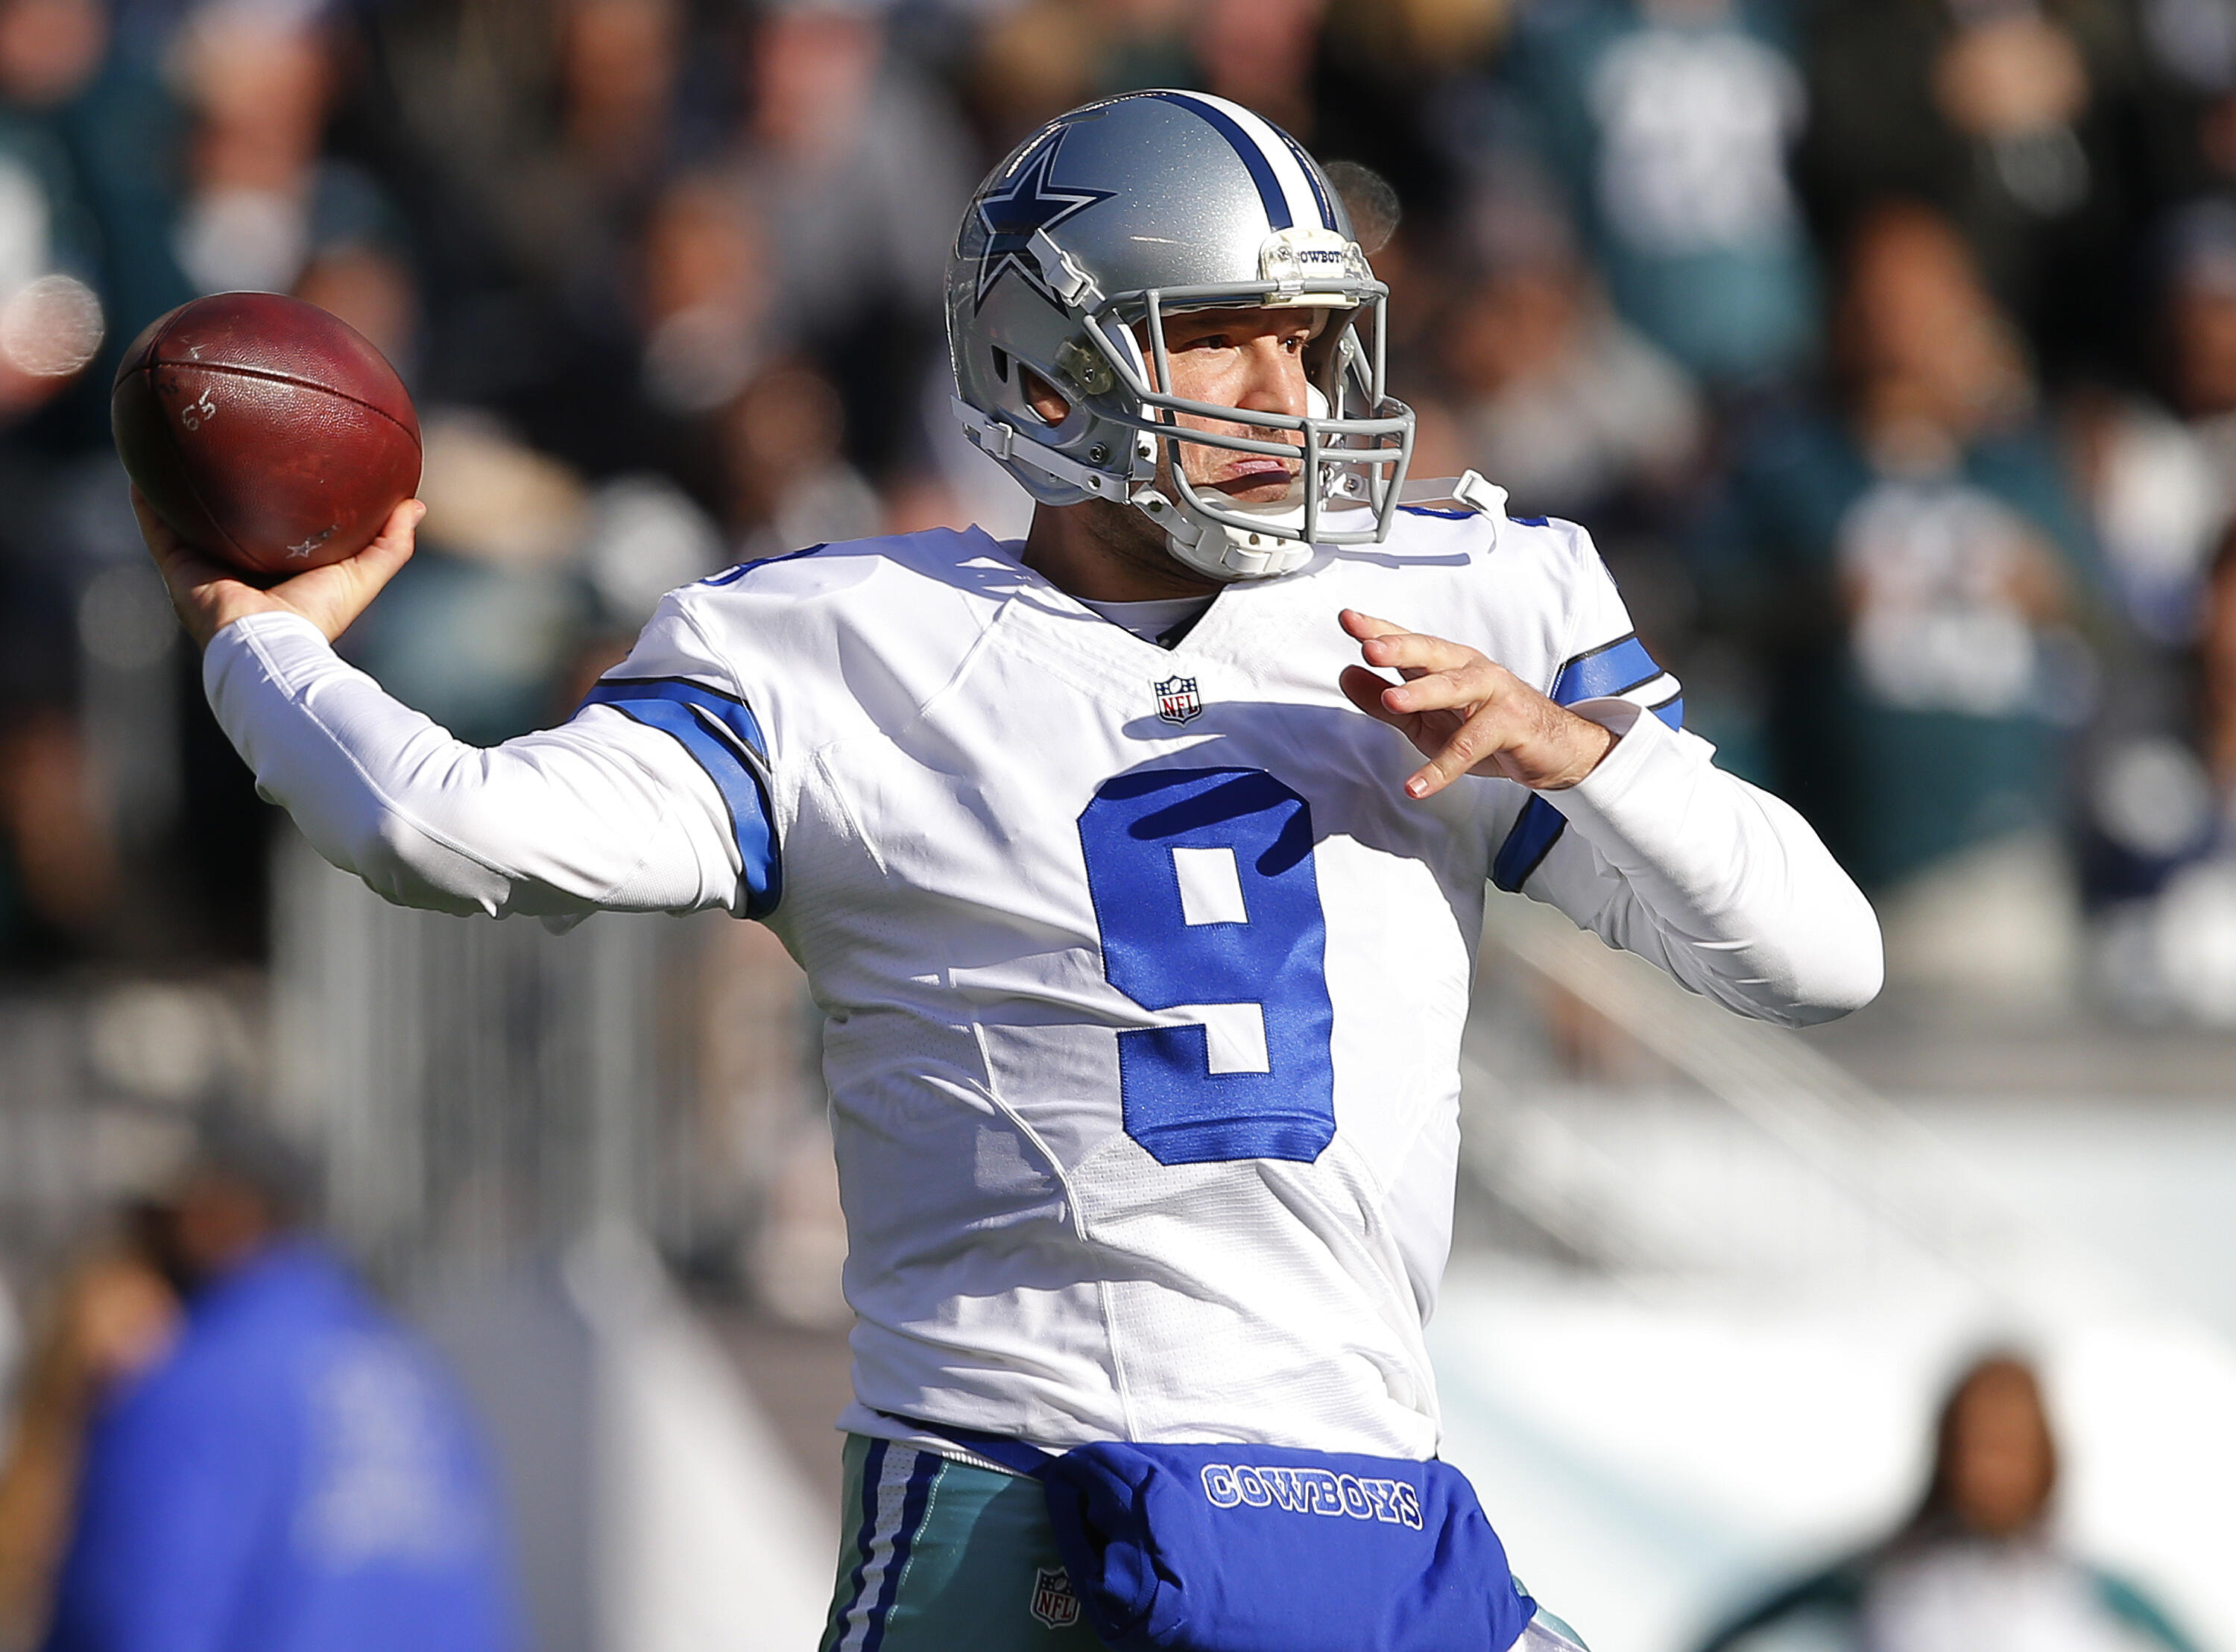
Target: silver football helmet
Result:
[[1070, 256]]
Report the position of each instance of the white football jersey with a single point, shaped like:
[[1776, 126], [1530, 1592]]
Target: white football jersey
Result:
[[1145, 982]]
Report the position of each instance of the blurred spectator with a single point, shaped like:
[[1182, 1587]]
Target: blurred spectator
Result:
[[530, 144], [2156, 468], [1258, 53], [1560, 402], [790, 485], [260, 79], [1916, 576], [527, 575], [476, 632], [62, 856], [2189, 50], [2162, 857], [66, 209], [1144, 42], [50, 320], [2159, 470], [1031, 63], [864, 168], [1978, 1568], [1401, 86], [2218, 652], [2018, 122], [293, 1476], [112, 1317], [87, 136], [707, 293], [357, 265], [1668, 121]]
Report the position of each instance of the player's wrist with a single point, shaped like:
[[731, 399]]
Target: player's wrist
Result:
[[206, 614], [1583, 745]]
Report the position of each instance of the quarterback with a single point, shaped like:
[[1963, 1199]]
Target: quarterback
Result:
[[1138, 866]]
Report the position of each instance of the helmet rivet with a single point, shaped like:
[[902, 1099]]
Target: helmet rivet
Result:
[[1156, 507], [1099, 452]]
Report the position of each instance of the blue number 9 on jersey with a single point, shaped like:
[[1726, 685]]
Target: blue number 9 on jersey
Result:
[[1209, 908]]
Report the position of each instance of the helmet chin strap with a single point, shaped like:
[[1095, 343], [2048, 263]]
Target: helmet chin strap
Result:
[[1223, 551], [1218, 550]]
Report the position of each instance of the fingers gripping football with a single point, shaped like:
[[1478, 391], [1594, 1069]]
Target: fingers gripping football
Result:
[[208, 596], [1466, 714]]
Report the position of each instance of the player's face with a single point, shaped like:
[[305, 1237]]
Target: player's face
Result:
[[1251, 359]]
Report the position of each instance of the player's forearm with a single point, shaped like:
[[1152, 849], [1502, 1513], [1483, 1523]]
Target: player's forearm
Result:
[[1724, 885], [425, 819]]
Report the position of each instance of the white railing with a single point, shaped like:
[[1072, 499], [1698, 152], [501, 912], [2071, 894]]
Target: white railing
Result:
[[1701, 1144], [484, 1091]]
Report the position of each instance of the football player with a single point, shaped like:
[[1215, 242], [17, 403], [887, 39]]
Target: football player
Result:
[[1138, 866]]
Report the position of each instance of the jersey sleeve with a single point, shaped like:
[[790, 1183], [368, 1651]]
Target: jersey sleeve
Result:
[[1659, 852], [648, 799]]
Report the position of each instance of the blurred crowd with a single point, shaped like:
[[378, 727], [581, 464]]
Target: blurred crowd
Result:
[[1888, 347]]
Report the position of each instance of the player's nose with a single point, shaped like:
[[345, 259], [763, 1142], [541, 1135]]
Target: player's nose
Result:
[[1276, 378]]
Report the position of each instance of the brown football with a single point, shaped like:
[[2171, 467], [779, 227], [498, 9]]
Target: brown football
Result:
[[267, 433]]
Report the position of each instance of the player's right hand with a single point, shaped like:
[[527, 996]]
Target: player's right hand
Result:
[[208, 597], [1466, 714]]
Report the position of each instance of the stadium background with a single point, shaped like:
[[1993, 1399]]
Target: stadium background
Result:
[[1888, 347]]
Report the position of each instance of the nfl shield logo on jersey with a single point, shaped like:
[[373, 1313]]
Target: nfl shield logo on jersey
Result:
[[1177, 700], [1053, 1602]]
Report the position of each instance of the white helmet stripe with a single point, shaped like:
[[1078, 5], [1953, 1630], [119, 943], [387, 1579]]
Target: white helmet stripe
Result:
[[1318, 187], [1274, 155]]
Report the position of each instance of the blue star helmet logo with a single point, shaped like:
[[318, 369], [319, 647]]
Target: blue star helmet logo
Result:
[[1029, 202]]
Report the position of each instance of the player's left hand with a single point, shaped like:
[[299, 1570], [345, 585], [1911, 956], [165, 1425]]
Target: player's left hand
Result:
[[1467, 713]]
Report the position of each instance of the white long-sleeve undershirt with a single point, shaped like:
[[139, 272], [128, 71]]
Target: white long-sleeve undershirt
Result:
[[599, 813], [1717, 881]]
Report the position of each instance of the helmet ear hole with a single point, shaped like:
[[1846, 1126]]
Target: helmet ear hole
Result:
[[1046, 402], [1001, 364]]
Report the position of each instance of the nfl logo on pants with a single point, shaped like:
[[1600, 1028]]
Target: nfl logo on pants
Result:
[[1177, 700], [1053, 1602]]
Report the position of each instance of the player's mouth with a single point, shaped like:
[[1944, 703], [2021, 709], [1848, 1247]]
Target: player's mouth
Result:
[[1257, 479]]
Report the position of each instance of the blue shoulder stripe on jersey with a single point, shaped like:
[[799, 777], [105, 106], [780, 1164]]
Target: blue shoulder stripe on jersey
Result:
[[1311, 177], [1531, 521], [719, 731], [1615, 667], [732, 576], [1261, 173], [914, 1501], [1426, 510]]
